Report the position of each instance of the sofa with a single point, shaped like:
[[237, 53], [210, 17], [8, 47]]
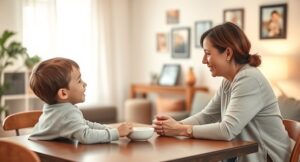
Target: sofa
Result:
[[99, 113], [289, 106]]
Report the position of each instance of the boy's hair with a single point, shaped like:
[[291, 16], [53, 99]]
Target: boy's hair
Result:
[[51, 75]]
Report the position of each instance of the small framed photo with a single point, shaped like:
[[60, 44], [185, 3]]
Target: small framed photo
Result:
[[273, 20], [235, 16], [180, 42], [172, 16], [200, 28], [169, 75], [162, 42]]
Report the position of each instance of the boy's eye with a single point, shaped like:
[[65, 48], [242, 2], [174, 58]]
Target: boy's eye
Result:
[[79, 81]]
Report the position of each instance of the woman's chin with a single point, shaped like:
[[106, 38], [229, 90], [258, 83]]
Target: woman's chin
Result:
[[213, 74]]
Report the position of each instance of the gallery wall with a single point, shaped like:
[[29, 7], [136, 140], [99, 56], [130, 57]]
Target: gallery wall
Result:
[[149, 18]]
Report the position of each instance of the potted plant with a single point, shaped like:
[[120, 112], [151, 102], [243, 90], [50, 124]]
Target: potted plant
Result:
[[31, 61], [10, 51]]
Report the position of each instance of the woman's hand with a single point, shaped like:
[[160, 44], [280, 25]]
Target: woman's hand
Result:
[[166, 126]]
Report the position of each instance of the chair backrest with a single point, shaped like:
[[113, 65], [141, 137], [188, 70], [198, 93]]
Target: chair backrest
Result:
[[21, 120], [12, 152], [293, 129]]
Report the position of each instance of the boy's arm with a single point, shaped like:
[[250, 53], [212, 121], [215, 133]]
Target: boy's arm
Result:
[[95, 125], [77, 128], [88, 136]]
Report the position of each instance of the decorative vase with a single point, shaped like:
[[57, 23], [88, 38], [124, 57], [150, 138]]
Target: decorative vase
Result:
[[190, 77]]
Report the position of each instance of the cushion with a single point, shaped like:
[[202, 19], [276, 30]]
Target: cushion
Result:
[[289, 108], [168, 104], [200, 100], [138, 110]]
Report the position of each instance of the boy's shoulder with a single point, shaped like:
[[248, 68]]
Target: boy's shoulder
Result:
[[61, 108]]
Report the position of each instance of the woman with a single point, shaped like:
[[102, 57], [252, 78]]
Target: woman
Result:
[[244, 107]]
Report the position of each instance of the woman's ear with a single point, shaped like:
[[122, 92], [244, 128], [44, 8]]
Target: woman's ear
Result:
[[229, 54], [62, 94]]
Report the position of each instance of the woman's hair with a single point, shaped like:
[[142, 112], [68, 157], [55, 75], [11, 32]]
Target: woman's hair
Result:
[[51, 75], [230, 35]]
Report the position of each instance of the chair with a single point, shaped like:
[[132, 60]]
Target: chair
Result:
[[12, 152], [21, 120], [293, 129]]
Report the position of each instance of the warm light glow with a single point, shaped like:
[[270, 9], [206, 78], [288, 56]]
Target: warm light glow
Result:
[[277, 47], [275, 67]]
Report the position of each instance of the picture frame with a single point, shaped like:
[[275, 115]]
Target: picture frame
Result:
[[169, 75], [200, 28], [235, 16], [180, 42], [162, 42], [172, 16], [273, 21]]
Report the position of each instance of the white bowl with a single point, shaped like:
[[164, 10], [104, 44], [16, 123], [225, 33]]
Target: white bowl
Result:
[[141, 133]]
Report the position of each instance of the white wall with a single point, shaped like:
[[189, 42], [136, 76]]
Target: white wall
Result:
[[148, 18], [10, 17], [136, 22]]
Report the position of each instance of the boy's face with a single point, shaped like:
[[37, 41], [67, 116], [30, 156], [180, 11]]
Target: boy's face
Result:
[[76, 87]]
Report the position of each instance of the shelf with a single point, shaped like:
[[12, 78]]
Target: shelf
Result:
[[187, 91], [20, 97]]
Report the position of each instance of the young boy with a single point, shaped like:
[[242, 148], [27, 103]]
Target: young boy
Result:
[[58, 83]]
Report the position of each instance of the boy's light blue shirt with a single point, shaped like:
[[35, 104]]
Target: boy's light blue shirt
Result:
[[66, 120]]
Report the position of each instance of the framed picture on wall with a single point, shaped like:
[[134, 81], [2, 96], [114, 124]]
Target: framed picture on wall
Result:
[[169, 75], [162, 42], [180, 42], [172, 16], [235, 16], [273, 20], [200, 28]]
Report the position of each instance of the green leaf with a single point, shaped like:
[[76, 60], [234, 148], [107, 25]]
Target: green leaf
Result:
[[31, 61], [5, 36]]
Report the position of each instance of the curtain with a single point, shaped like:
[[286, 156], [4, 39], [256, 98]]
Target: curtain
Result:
[[76, 29]]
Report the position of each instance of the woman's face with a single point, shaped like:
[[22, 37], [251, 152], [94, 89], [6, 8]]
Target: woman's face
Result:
[[215, 61]]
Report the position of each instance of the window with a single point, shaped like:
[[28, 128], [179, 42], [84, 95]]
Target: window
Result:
[[65, 28]]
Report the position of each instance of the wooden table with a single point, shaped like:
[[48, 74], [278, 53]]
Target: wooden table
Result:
[[187, 91], [155, 149]]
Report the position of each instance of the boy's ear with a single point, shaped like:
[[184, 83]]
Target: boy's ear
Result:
[[62, 94]]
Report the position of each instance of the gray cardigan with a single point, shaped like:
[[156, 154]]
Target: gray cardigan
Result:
[[66, 121], [245, 109]]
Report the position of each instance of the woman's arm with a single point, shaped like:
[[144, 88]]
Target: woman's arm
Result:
[[210, 114], [244, 103]]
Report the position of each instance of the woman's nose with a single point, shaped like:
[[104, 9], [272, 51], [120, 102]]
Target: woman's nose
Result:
[[204, 60]]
